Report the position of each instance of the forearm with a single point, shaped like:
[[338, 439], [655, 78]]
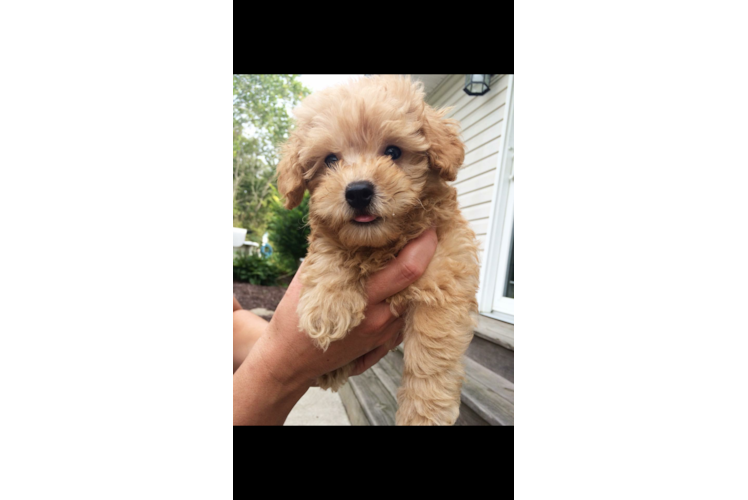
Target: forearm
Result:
[[261, 397]]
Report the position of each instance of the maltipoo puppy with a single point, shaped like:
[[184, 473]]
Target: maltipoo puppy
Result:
[[376, 160]]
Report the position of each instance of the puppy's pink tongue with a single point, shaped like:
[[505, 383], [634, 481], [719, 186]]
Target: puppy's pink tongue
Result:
[[364, 218]]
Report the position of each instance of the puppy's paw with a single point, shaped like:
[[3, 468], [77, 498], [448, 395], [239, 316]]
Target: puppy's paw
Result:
[[419, 404], [335, 379], [398, 302], [329, 317]]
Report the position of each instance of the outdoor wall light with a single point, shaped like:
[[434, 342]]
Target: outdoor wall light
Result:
[[477, 84]]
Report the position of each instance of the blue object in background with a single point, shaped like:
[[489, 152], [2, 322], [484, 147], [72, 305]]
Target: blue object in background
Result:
[[266, 250]]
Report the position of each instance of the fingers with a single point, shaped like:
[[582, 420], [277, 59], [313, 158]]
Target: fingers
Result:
[[398, 339], [378, 318], [409, 265], [393, 337]]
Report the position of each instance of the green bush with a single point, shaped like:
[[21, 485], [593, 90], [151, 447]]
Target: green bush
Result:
[[288, 232], [256, 270]]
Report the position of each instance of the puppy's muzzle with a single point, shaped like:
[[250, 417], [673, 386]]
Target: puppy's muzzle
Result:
[[359, 194]]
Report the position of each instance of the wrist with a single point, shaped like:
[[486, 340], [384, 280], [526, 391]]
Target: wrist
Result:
[[278, 368]]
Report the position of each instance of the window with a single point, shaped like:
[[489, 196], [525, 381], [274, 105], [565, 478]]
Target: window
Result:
[[518, 282]]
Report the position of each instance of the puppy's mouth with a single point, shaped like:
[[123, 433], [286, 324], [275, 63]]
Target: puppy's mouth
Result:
[[365, 219]]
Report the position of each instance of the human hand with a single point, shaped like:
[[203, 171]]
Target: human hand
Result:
[[287, 359]]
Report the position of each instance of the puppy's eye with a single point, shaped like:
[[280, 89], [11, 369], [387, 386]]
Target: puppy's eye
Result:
[[330, 159], [393, 151]]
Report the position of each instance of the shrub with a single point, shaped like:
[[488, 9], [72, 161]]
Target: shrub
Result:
[[256, 270], [288, 232]]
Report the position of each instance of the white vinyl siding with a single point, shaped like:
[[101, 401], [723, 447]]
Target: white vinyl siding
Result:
[[482, 123]]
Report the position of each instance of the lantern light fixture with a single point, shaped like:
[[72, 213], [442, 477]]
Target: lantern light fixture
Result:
[[477, 84]]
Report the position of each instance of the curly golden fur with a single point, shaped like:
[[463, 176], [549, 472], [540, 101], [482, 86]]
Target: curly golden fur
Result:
[[357, 122]]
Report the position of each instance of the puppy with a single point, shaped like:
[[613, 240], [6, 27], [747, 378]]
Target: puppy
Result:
[[376, 160]]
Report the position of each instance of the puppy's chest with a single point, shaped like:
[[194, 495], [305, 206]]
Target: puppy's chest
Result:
[[363, 265]]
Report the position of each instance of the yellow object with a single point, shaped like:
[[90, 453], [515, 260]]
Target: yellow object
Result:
[[520, 312]]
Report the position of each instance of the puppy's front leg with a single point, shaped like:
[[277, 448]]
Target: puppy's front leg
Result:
[[436, 337], [331, 303]]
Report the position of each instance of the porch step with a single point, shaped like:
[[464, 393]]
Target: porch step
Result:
[[370, 398], [495, 331]]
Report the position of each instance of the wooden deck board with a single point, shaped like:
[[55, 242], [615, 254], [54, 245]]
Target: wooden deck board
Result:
[[488, 394], [495, 331], [377, 403], [352, 407], [496, 358]]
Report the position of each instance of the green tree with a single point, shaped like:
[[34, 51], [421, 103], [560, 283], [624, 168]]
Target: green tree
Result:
[[262, 105]]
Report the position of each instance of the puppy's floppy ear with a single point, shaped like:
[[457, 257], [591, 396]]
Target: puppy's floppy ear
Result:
[[447, 151], [291, 173]]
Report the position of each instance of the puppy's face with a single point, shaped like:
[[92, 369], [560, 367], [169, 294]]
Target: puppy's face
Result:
[[367, 151]]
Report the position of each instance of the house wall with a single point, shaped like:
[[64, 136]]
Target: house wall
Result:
[[482, 120]]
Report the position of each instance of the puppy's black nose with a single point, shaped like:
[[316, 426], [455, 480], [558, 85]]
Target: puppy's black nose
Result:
[[359, 194]]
